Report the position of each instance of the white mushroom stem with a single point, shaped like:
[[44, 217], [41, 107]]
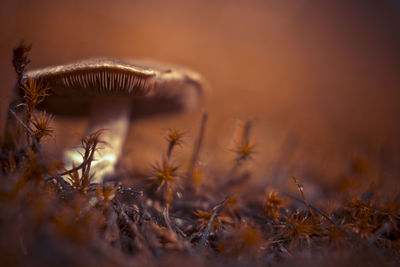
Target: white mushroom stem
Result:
[[112, 117]]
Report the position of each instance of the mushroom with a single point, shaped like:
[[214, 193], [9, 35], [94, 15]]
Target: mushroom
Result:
[[107, 90]]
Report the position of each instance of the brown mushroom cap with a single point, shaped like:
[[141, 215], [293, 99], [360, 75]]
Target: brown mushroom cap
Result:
[[154, 87]]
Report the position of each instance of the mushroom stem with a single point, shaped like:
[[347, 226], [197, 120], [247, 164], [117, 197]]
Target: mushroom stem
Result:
[[111, 115]]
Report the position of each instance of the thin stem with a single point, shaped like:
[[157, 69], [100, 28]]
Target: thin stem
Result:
[[199, 142], [111, 116]]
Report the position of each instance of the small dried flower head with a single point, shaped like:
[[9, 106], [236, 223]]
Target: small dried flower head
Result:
[[363, 216], [204, 217], [164, 174], [391, 209], [356, 208], [42, 125], [34, 92], [92, 139], [106, 193], [242, 239], [244, 151], [301, 227], [364, 227], [337, 235], [273, 204], [174, 137], [165, 177]]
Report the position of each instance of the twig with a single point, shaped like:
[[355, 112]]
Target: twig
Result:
[[206, 233]]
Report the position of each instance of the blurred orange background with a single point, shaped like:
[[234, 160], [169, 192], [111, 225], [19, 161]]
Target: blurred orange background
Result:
[[319, 76]]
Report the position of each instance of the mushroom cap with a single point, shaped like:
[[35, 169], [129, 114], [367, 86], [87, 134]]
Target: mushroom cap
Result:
[[153, 87]]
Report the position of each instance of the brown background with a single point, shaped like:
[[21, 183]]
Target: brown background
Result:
[[320, 74]]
